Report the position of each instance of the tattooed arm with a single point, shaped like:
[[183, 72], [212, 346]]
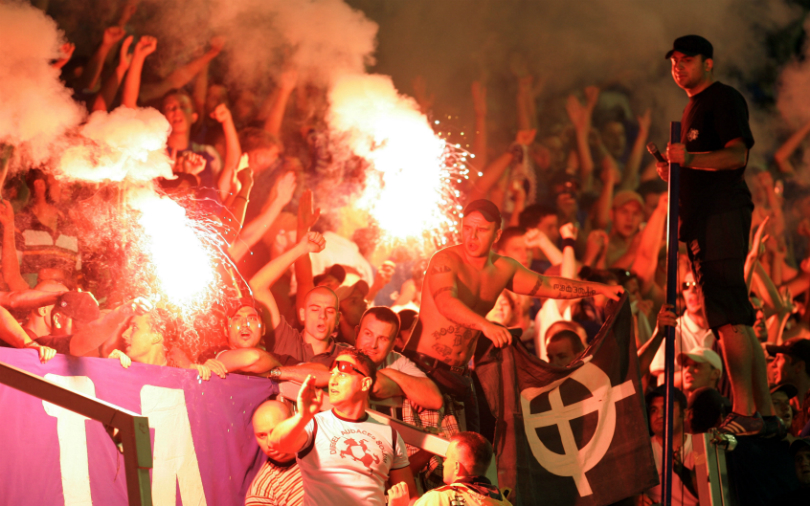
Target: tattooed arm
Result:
[[530, 283], [441, 281]]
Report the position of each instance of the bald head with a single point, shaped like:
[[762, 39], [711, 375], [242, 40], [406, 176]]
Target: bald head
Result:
[[271, 412], [321, 292], [320, 313], [266, 417]]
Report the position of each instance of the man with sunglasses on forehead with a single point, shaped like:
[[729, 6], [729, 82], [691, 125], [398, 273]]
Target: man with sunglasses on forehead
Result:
[[461, 286], [345, 456], [715, 209]]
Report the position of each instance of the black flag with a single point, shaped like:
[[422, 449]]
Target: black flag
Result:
[[576, 435]]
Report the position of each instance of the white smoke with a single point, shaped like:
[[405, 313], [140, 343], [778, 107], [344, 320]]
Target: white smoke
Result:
[[35, 108], [124, 144], [794, 89]]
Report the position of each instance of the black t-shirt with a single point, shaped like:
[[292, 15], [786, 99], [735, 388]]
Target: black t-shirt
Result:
[[712, 118]]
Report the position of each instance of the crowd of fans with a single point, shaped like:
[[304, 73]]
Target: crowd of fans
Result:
[[332, 306]]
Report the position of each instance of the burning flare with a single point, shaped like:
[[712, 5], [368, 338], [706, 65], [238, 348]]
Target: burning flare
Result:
[[408, 187]]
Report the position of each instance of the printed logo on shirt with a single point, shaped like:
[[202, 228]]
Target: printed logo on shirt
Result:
[[359, 449], [692, 134]]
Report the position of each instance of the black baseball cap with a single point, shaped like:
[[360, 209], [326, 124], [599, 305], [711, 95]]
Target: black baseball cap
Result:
[[336, 271], [691, 45], [798, 348], [488, 210], [799, 444], [789, 388], [81, 306]]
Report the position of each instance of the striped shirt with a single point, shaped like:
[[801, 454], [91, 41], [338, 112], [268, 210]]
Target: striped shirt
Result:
[[276, 485]]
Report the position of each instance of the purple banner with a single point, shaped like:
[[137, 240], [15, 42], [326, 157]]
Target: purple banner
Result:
[[203, 448]]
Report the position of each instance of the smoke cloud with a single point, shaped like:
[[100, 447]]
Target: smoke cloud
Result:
[[124, 144], [571, 45], [794, 89], [35, 108]]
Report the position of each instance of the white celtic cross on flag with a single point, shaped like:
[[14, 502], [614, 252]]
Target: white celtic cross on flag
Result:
[[575, 462]]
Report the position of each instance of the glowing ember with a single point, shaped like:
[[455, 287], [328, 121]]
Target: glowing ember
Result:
[[407, 191], [180, 252]]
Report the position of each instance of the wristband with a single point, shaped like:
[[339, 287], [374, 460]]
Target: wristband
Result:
[[568, 242], [275, 374]]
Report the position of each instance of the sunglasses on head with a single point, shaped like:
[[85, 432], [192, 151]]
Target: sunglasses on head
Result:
[[348, 367], [686, 285]]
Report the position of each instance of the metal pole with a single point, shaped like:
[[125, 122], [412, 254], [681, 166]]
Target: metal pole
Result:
[[672, 298], [134, 427]]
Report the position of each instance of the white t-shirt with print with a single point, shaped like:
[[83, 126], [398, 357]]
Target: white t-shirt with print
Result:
[[348, 462]]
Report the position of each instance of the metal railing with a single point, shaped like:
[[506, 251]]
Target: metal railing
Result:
[[133, 429]]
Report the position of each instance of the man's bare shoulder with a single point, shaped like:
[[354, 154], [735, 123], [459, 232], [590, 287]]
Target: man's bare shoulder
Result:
[[445, 260]]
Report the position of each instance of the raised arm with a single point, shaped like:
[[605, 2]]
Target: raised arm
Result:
[[92, 72], [479, 95], [580, 117], [145, 46], [10, 265], [280, 196], [601, 209], [183, 75], [286, 85], [630, 175], [233, 150], [290, 436], [783, 154], [307, 217], [646, 258], [109, 88], [494, 172], [261, 282]]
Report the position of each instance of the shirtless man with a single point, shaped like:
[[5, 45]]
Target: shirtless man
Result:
[[461, 286]]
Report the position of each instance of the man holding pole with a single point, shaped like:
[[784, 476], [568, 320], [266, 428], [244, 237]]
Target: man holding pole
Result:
[[715, 218]]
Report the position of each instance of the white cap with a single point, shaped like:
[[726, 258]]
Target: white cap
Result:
[[702, 356]]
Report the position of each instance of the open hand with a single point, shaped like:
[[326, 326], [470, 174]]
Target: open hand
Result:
[[310, 398], [122, 357], [216, 367], [498, 334]]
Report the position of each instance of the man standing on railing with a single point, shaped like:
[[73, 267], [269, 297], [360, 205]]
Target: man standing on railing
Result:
[[715, 219]]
